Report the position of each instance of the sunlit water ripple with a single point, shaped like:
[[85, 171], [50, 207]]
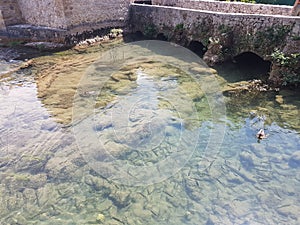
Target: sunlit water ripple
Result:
[[46, 178]]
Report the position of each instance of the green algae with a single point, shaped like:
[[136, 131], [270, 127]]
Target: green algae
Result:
[[244, 182]]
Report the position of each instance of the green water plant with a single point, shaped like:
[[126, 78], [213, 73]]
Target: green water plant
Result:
[[14, 43], [150, 30], [284, 59], [179, 27], [224, 29], [290, 66], [41, 47], [295, 38]]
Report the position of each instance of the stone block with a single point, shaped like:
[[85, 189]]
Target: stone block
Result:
[[2, 24]]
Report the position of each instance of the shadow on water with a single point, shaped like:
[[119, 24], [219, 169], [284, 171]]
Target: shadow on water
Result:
[[21, 52], [136, 36], [246, 66]]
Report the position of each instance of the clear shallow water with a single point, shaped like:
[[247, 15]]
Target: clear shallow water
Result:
[[147, 149]]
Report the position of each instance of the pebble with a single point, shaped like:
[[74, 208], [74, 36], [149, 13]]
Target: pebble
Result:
[[100, 218], [279, 99]]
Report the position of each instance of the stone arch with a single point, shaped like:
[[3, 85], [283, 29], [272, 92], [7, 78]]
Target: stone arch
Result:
[[161, 37], [252, 65], [134, 36], [197, 47]]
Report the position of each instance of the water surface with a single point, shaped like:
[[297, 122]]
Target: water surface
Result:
[[149, 143]]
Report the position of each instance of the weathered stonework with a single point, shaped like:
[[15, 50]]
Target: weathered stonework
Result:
[[64, 16], [36, 33], [225, 35], [2, 24], [95, 14], [11, 12], [48, 13], [225, 29], [227, 7]]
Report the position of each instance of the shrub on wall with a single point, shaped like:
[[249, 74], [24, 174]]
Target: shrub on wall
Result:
[[290, 66], [272, 36], [150, 30]]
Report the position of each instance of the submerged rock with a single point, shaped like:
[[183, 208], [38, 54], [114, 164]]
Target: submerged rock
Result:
[[37, 181], [279, 99], [258, 149], [8, 54], [246, 160], [289, 211], [104, 124], [100, 218], [294, 160], [120, 198]]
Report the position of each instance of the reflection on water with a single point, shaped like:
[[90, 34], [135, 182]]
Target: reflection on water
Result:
[[47, 178]]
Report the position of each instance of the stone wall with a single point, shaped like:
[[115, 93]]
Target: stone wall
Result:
[[2, 24], [225, 35], [95, 14], [227, 7], [71, 15], [11, 12], [75, 15], [48, 13], [35, 33]]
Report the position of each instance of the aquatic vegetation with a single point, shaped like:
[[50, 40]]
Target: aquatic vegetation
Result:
[[141, 115]]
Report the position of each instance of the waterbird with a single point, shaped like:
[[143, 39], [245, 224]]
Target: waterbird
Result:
[[261, 134]]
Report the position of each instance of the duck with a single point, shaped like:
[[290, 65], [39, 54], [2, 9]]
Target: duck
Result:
[[261, 134]]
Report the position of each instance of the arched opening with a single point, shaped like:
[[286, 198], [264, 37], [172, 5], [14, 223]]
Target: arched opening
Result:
[[245, 66], [136, 36], [252, 65], [197, 47], [161, 37]]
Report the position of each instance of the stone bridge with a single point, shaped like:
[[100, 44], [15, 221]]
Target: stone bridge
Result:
[[223, 30], [220, 30]]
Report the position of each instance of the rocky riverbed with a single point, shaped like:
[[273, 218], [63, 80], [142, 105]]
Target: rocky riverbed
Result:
[[49, 175]]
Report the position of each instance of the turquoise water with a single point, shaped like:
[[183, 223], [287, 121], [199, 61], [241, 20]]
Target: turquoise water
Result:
[[161, 148]]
